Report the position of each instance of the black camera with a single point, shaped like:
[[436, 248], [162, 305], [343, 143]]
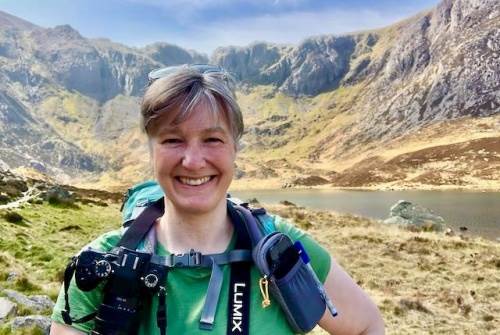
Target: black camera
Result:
[[130, 276]]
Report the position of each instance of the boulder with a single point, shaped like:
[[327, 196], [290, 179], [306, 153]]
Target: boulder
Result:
[[39, 321], [34, 302], [59, 196], [4, 198], [409, 214], [12, 276], [7, 309], [287, 203]]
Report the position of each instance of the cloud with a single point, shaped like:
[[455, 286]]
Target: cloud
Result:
[[187, 11], [290, 27], [203, 4]]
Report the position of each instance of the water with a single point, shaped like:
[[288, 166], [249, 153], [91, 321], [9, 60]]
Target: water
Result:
[[478, 211]]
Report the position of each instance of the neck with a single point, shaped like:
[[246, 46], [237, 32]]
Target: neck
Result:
[[208, 233]]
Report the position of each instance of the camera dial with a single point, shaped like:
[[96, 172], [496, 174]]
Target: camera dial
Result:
[[151, 280], [102, 269]]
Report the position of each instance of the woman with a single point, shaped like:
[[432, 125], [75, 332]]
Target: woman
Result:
[[193, 124]]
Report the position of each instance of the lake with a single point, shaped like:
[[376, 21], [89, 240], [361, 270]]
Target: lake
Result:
[[478, 211]]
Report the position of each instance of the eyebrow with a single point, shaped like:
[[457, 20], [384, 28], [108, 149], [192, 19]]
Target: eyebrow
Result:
[[216, 129], [175, 129]]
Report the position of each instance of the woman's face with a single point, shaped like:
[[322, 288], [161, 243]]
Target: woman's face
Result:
[[194, 161]]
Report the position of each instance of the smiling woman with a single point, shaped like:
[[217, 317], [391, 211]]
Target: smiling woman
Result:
[[193, 123], [193, 141]]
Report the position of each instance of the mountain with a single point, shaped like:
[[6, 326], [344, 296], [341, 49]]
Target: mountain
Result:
[[362, 99], [394, 106], [63, 96]]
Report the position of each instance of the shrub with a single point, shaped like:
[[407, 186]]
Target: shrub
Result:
[[13, 217], [23, 284]]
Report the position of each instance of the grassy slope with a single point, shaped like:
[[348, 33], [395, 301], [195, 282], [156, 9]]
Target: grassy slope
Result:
[[422, 282], [39, 247]]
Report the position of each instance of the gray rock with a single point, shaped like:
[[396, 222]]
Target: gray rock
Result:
[[7, 309], [238, 174], [316, 65], [169, 54], [34, 302], [407, 213], [256, 63], [59, 195], [42, 322], [397, 220], [12, 276]]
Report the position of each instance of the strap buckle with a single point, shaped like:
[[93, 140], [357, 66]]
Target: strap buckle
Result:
[[191, 259]]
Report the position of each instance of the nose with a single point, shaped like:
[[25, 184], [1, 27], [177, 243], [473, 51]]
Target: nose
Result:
[[193, 158]]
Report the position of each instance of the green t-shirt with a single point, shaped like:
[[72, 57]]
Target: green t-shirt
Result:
[[186, 289]]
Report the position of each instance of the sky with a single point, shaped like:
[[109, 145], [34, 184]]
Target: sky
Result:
[[204, 25]]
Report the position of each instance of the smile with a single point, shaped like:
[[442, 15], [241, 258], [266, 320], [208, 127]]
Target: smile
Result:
[[194, 181]]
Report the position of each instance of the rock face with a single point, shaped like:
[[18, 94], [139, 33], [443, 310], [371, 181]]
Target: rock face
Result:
[[257, 63], [169, 54], [444, 65], [21, 322], [440, 65], [408, 214], [316, 65], [99, 69], [34, 302], [38, 65], [7, 309]]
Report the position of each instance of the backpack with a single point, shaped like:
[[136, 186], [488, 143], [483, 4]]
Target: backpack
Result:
[[137, 198], [301, 295]]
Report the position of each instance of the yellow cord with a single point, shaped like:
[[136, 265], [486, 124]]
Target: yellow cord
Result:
[[264, 290]]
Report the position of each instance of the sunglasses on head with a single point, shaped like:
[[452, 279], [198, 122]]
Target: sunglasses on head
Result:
[[169, 70]]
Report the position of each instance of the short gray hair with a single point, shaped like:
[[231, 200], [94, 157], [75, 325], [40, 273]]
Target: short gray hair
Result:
[[180, 92]]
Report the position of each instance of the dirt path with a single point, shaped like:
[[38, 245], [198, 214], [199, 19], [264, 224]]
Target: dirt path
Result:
[[29, 194]]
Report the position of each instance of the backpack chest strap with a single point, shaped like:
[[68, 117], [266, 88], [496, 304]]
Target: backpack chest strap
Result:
[[196, 259]]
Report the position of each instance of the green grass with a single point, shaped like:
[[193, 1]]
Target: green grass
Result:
[[6, 330], [39, 251]]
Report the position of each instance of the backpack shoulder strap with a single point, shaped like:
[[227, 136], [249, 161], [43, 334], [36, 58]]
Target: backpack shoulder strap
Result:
[[257, 221], [138, 198], [141, 225]]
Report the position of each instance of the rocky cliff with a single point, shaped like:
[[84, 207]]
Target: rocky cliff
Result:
[[69, 105], [60, 90]]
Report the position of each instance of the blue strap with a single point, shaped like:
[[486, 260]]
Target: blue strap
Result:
[[212, 297]]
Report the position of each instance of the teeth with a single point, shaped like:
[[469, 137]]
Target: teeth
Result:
[[194, 181]]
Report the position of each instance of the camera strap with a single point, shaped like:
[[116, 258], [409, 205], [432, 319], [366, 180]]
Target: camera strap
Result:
[[68, 274], [238, 312]]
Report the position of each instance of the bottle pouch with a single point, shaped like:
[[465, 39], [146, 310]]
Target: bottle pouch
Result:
[[291, 281]]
